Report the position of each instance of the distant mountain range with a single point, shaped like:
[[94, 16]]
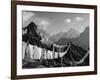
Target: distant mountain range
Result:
[[73, 36], [72, 33]]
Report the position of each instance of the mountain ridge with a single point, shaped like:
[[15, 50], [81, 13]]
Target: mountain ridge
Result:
[[72, 33], [81, 39]]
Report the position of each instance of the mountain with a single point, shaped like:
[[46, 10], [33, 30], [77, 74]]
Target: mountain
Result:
[[56, 37], [82, 40], [72, 33], [43, 33]]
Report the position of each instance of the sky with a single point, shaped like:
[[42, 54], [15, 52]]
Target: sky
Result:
[[54, 22]]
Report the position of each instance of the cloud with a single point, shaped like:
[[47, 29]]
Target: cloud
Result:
[[68, 20], [79, 19], [43, 24], [27, 15]]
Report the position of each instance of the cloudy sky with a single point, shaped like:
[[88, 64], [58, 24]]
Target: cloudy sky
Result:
[[54, 22]]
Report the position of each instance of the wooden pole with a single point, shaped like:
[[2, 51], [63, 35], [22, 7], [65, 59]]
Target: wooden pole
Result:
[[61, 58], [53, 51]]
